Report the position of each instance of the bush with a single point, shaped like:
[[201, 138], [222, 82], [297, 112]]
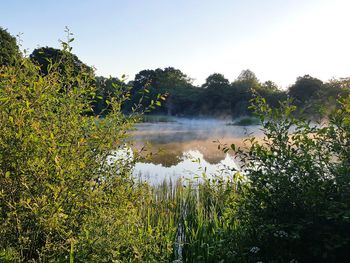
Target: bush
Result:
[[61, 196], [295, 205]]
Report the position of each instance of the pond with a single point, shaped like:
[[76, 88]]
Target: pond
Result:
[[185, 148]]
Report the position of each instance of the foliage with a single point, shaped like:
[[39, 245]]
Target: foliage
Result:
[[190, 218], [216, 97], [170, 82], [65, 174], [246, 121], [248, 76], [215, 81], [156, 118], [305, 88], [9, 51], [64, 190], [289, 202], [107, 88], [46, 56], [295, 204]]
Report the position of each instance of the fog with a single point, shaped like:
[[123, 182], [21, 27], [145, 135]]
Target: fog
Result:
[[175, 145], [191, 165]]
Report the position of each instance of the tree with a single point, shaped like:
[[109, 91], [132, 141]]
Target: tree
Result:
[[107, 88], [171, 77], [273, 95], [216, 80], [269, 86], [305, 88], [215, 96], [169, 82], [45, 57], [247, 76], [143, 78], [9, 51], [243, 88]]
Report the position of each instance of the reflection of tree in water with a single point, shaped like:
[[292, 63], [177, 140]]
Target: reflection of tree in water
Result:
[[191, 164], [174, 136], [166, 158], [168, 141], [172, 153]]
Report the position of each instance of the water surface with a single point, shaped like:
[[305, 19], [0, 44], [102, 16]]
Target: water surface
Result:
[[187, 147]]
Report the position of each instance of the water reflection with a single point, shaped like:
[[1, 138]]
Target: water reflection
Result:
[[192, 164], [168, 141], [175, 145]]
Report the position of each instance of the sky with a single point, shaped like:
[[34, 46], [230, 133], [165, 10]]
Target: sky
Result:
[[278, 40]]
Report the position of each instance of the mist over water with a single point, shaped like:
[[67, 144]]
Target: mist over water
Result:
[[184, 148], [191, 165], [184, 130]]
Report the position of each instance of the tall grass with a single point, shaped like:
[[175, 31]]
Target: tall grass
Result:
[[157, 118], [191, 218]]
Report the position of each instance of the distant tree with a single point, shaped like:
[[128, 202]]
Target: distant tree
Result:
[[243, 88], [216, 80], [305, 88], [47, 56], [172, 77], [168, 81], [9, 51], [248, 76], [269, 85], [62, 61], [337, 87], [107, 88], [143, 78], [176, 85], [215, 99]]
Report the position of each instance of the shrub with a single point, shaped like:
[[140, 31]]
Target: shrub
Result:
[[61, 196], [295, 202]]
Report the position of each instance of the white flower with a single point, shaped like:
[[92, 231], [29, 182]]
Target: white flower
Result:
[[254, 250], [281, 234]]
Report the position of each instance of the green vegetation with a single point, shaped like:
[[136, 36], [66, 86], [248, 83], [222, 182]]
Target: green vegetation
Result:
[[60, 194], [289, 203], [246, 121], [9, 51], [66, 195], [295, 203], [190, 216], [46, 56], [217, 97], [157, 118]]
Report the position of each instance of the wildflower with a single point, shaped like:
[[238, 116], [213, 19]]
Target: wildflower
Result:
[[281, 234], [254, 250]]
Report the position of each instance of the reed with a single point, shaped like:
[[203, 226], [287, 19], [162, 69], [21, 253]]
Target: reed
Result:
[[189, 217], [157, 118]]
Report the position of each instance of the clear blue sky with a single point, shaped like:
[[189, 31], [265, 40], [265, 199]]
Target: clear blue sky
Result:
[[278, 40]]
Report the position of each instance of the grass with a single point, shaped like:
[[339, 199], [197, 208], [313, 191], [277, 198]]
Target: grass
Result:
[[157, 118], [245, 121], [191, 219]]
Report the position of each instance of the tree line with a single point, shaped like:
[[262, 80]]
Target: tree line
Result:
[[66, 193], [217, 97]]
